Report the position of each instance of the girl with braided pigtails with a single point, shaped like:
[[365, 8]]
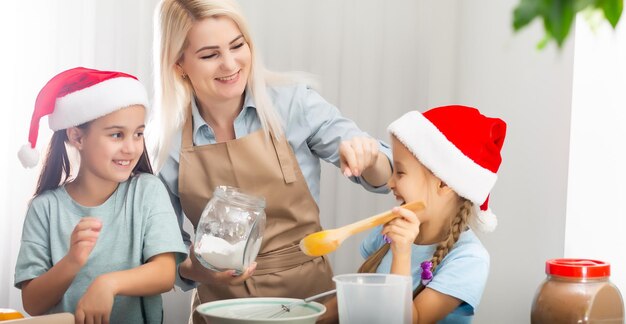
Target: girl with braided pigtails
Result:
[[446, 157]]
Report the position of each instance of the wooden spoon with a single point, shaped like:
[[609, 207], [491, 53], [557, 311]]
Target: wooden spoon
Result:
[[324, 242]]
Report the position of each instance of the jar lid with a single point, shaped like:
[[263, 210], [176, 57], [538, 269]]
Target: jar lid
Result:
[[578, 268]]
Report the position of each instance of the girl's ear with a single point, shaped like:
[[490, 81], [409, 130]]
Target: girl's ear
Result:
[[443, 188], [75, 136]]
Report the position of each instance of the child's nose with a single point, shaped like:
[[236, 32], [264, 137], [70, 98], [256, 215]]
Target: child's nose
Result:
[[129, 146], [391, 183]]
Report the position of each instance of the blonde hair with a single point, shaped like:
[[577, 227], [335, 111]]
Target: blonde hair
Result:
[[173, 20], [458, 225]]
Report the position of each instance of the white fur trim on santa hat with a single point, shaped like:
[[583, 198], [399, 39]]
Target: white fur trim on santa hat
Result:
[[442, 158], [485, 220], [28, 156], [96, 101]]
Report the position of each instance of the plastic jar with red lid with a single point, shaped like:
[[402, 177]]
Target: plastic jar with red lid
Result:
[[577, 291]]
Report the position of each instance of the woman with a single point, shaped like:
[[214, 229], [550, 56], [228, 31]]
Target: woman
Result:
[[225, 120]]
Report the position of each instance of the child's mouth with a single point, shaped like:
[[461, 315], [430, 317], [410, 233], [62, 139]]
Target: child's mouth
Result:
[[122, 162]]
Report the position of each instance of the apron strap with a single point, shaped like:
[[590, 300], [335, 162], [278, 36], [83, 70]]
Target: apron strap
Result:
[[187, 135], [281, 147], [284, 159]]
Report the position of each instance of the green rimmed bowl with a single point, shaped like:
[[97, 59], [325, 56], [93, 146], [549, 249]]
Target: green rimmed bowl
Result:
[[259, 310]]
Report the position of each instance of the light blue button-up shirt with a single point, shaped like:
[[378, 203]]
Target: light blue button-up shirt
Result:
[[313, 127]]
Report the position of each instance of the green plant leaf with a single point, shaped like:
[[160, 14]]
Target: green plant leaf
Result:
[[559, 18], [544, 41], [525, 12], [558, 15], [612, 10], [580, 5]]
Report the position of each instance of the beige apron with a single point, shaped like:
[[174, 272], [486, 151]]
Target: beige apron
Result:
[[266, 168]]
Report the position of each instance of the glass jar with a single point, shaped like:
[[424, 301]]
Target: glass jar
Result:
[[577, 291], [230, 230]]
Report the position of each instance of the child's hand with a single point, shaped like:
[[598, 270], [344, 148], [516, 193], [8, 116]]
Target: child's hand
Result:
[[83, 240], [96, 304], [357, 154], [402, 230]]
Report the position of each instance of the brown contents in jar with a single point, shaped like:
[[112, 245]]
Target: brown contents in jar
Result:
[[577, 297]]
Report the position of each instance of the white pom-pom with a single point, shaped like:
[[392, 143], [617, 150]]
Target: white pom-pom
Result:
[[28, 156], [485, 221]]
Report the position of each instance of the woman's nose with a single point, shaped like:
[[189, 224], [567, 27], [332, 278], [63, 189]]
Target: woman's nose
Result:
[[228, 62]]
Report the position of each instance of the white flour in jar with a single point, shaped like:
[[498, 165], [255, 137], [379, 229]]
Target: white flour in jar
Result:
[[221, 254]]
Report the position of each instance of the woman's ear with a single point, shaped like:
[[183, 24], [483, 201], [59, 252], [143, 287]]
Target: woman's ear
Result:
[[179, 68], [75, 137]]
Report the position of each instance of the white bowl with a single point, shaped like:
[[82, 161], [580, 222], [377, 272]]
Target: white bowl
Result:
[[257, 310]]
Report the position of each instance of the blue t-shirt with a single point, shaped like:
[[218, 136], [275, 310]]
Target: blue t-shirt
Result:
[[462, 273], [138, 222]]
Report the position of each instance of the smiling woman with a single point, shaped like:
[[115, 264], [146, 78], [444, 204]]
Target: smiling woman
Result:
[[226, 120], [219, 71]]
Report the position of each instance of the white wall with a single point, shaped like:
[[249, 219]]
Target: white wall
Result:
[[502, 74], [376, 60], [596, 217], [451, 52]]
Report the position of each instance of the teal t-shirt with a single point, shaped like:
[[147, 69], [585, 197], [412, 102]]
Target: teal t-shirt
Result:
[[138, 222], [462, 273]]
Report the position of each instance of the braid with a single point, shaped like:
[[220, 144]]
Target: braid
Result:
[[457, 226], [373, 261]]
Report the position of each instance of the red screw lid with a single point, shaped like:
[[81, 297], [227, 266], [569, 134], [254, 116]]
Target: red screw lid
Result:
[[578, 268]]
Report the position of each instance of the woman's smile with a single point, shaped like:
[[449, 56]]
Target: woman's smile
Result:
[[233, 78]]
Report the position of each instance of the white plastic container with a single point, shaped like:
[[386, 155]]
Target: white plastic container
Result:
[[374, 298]]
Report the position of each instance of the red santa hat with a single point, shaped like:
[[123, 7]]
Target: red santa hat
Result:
[[461, 147], [77, 96]]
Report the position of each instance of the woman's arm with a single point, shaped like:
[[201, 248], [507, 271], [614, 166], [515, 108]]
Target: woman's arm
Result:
[[379, 172], [338, 140]]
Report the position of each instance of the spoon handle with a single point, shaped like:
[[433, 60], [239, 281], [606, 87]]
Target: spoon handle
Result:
[[381, 218], [318, 296]]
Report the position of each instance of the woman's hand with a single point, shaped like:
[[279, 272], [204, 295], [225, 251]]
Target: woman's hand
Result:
[[357, 154], [96, 304], [192, 269], [83, 240], [402, 231]]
